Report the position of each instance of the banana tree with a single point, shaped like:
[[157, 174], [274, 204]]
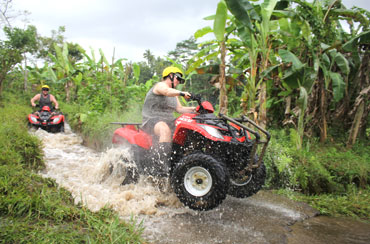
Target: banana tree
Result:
[[254, 29], [211, 50], [219, 31], [63, 70], [321, 50]]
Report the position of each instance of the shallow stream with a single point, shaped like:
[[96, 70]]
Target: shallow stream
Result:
[[262, 218]]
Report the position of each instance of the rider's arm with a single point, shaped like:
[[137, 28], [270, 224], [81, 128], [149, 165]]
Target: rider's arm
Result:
[[53, 100], [182, 110], [34, 99], [163, 89]]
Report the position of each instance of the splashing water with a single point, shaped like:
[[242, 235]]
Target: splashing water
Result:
[[95, 180], [88, 175]]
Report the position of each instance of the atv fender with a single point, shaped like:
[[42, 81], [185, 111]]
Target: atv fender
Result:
[[182, 128], [133, 136]]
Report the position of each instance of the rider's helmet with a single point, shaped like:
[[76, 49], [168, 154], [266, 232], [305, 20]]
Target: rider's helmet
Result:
[[45, 88], [173, 70]]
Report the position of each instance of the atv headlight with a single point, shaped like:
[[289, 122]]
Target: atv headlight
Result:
[[212, 131], [56, 120], [33, 119]]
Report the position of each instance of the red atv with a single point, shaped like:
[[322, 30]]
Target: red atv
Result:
[[212, 156], [47, 120]]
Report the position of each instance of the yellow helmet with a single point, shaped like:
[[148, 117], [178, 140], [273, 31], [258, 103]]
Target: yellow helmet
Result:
[[171, 69], [45, 86]]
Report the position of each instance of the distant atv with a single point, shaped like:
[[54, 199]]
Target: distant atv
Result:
[[211, 156], [47, 120]]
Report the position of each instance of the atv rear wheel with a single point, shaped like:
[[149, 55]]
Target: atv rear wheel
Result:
[[200, 181], [242, 186], [129, 169]]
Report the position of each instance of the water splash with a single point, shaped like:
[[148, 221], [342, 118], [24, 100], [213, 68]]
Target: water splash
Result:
[[95, 178]]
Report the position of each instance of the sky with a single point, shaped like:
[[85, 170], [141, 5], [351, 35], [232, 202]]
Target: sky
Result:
[[126, 27]]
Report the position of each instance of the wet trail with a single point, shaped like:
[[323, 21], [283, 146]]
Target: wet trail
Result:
[[263, 218]]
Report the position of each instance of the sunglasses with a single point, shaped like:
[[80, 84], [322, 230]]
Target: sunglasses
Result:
[[45, 89], [179, 78]]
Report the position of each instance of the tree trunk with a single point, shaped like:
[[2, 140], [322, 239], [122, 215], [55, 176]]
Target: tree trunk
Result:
[[356, 125], [67, 88], [1, 86], [223, 93], [360, 109], [25, 74], [324, 125], [262, 120]]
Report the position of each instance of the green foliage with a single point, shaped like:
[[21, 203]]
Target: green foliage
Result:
[[315, 169], [18, 148], [354, 203], [9, 57], [95, 127], [220, 21], [23, 40]]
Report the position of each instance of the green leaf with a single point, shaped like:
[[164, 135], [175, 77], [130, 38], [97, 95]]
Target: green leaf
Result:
[[338, 85], [363, 38], [220, 21], [136, 68], [104, 58], [77, 79], [201, 32], [342, 63], [326, 61], [211, 17], [83, 117], [240, 8], [285, 93], [52, 75], [266, 9], [289, 57], [65, 54], [303, 98]]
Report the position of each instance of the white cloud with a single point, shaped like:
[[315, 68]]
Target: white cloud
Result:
[[131, 27]]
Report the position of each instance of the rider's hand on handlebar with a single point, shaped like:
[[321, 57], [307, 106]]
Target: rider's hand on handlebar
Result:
[[187, 95]]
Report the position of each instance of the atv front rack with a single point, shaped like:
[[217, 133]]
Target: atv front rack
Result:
[[257, 141]]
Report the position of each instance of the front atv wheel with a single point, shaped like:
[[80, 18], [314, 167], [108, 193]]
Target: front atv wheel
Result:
[[245, 185], [200, 181]]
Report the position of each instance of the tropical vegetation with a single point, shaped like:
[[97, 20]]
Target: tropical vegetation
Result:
[[299, 68]]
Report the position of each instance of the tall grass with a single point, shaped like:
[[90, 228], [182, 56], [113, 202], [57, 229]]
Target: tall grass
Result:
[[329, 177]]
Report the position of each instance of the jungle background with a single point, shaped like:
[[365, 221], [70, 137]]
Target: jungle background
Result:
[[299, 69]]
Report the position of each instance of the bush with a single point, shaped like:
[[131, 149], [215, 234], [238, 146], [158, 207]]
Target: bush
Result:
[[320, 169], [95, 127]]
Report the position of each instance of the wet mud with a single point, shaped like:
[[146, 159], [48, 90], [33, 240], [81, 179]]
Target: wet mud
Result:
[[262, 218]]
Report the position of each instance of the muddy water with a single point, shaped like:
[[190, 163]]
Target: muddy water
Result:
[[263, 218]]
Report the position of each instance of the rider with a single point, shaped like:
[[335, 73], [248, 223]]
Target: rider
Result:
[[45, 99], [160, 103]]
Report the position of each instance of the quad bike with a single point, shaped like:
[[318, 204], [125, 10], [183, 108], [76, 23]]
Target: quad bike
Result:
[[212, 156], [47, 120]]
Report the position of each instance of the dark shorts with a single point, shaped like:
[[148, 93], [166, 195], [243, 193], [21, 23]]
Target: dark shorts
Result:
[[149, 125]]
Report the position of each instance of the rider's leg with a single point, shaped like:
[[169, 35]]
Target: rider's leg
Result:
[[163, 131], [163, 149]]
